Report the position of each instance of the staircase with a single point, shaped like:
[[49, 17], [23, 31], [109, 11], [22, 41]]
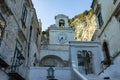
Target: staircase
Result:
[[65, 73]]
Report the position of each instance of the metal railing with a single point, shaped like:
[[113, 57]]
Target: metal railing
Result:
[[77, 75]]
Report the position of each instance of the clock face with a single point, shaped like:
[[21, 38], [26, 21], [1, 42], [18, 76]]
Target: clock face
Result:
[[62, 38]]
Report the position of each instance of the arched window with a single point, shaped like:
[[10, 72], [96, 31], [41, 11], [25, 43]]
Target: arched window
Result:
[[61, 23], [107, 55], [85, 61], [52, 60]]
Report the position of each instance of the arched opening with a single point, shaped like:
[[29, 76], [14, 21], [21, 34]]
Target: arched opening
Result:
[[106, 53], [85, 61], [52, 60], [61, 23]]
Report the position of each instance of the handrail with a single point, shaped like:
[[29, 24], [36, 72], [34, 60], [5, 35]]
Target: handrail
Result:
[[79, 75]]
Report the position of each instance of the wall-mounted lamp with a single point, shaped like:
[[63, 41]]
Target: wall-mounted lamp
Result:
[[50, 73], [21, 59]]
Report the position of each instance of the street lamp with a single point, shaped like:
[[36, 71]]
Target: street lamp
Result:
[[18, 62], [50, 73], [20, 58]]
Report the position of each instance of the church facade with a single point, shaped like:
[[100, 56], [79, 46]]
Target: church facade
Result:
[[71, 60], [56, 53]]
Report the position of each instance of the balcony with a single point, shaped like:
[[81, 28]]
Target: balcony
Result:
[[15, 76]]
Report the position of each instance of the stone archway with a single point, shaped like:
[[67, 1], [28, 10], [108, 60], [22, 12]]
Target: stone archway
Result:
[[61, 23], [106, 53], [51, 60]]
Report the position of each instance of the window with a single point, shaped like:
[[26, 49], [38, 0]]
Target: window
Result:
[[52, 60], [37, 36], [117, 16], [114, 1], [99, 15], [2, 27], [62, 23], [117, 13], [100, 20], [29, 41], [17, 53], [24, 13], [80, 59], [35, 60]]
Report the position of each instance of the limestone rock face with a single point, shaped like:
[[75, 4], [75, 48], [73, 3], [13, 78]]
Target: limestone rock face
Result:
[[85, 26]]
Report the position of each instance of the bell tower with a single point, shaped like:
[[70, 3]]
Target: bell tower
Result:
[[61, 21], [61, 32]]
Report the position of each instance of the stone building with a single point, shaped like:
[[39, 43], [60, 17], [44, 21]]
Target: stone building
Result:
[[58, 49], [71, 60], [108, 28], [19, 32], [34, 40]]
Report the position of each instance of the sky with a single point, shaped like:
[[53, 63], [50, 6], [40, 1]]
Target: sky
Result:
[[48, 9]]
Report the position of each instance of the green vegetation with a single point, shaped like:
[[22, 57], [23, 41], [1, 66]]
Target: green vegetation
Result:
[[82, 15], [46, 32]]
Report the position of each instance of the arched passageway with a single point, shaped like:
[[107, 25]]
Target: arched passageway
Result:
[[106, 54]]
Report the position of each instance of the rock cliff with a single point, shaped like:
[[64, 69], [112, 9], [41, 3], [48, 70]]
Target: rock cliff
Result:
[[85, 25]]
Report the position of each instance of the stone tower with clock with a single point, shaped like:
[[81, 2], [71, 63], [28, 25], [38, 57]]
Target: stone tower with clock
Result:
[[61, 32], [57, 51]]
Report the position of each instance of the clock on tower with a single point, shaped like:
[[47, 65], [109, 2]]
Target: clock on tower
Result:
[[62, 38], [61, 32]]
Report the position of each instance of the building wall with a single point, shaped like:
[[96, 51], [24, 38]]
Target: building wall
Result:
[[33, 51], [37, 73], [113, 71], [34, 41], [108, 32], [55, 34], [109, 36], [64, 55], [17, 30], [94, 47], [3, 75]]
